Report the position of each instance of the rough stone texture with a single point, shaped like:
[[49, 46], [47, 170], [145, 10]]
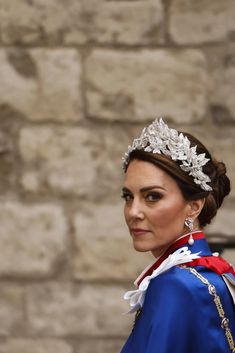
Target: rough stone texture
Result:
[[222, 67], [7, 161], [32, 235], [52, 158], [201, 21], [71, 160], [136, 22], [138, 86], [21, 345], [78, 81], [105, 253], [11, 308], [101, 346], [65, 309], [40, 21], [41, 84], [127, 23]]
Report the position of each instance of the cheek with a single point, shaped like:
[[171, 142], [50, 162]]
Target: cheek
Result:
[[168, 212]]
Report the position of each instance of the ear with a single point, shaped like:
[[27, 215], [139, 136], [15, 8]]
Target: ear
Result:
[[195, 207]]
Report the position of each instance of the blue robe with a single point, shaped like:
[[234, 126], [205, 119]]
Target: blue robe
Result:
[[180, 316]]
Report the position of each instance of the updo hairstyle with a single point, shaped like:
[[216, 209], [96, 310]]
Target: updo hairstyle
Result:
[[220, 183]]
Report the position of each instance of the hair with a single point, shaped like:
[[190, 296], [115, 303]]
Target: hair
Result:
[[216, 171]]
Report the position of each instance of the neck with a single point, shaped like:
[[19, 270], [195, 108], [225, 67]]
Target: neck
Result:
[[161, 252], [189, 233]]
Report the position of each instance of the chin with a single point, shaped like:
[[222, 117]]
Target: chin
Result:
[[141, 247]]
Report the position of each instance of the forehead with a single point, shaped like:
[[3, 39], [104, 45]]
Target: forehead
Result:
[[141, 173]]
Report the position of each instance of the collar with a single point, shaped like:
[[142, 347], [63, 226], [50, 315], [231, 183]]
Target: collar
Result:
[[179, 254], [200, 245], [179, 257]]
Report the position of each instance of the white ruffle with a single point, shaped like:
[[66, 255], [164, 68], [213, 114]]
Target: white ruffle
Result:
[[180, 256]]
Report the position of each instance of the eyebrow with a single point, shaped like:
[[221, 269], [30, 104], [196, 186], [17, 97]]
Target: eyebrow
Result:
[[146, 188]]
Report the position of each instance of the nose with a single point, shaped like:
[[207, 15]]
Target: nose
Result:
[[136, 210]]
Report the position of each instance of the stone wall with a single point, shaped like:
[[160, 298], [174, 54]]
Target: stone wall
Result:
[[79, 79]]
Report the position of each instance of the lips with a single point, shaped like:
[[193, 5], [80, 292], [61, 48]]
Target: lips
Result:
[[139, 231]]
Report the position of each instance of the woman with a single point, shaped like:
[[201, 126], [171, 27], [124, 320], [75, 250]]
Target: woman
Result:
[[184, 302]]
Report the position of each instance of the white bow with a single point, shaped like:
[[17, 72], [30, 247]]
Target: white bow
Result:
[[180, 256]]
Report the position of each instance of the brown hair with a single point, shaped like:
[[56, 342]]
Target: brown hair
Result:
[[220, 183]]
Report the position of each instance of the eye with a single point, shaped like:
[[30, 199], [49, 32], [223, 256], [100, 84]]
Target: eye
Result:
[[126, 196], [153, 196]]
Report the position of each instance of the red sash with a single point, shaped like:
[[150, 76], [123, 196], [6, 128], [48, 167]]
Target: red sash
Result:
[[214, 263]]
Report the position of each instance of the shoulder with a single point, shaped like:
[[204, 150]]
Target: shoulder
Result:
[[177, 278], [180, 286]]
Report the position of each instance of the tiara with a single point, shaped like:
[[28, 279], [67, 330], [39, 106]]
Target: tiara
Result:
[[159, 138]]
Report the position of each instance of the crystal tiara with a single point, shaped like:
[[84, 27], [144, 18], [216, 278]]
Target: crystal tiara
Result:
[[159, 138]]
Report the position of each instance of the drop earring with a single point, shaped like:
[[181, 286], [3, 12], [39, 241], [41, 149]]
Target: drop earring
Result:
[[189, 224]]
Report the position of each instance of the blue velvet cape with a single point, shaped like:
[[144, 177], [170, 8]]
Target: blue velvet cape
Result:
[[180, 316]]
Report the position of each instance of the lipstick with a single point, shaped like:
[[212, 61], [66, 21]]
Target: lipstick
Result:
[[139, 231]]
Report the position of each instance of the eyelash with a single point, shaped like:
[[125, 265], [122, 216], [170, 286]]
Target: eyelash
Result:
[[125, 196], [155, 195]]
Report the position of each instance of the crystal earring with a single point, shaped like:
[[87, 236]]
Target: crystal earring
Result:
[[189, 224]]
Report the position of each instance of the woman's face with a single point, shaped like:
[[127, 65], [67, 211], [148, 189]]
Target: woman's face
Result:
[[155, 209]]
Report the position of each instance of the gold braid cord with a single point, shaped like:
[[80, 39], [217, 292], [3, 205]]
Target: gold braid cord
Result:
[[219, 307]]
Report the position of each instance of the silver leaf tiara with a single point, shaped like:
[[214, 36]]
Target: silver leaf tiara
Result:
[[159, 138]]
